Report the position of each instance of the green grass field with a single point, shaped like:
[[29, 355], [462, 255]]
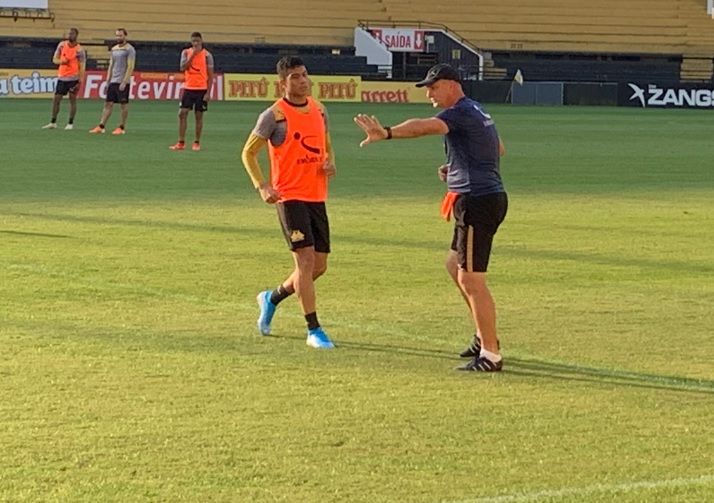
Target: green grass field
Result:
[[131, 369]]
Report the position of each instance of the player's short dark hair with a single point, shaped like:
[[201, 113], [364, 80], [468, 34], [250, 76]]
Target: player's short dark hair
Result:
[[287, 63], [123, 31], [74, 30], [196, 34]]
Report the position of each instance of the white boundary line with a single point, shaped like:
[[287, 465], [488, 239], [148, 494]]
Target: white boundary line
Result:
[[590, 490]]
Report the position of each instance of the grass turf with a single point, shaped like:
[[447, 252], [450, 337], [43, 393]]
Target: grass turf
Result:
[[131, 368]]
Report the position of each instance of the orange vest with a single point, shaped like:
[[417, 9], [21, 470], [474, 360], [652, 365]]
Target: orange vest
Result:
[[196, 75], [296, 166], [70, 54]]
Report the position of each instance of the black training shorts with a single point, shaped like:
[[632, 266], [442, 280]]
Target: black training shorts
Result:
[[305, 224], [67, 86], [193, 99], [477, 220], [114, 95]]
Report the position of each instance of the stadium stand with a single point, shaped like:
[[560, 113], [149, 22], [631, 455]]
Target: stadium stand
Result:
[[244, 37], [607, 27], [247, 58], [326, 22], [583, 40]]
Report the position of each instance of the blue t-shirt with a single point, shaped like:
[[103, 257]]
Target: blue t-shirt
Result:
[[472, 149]]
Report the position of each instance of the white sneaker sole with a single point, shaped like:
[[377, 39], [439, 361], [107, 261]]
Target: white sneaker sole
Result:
[[315, 343]]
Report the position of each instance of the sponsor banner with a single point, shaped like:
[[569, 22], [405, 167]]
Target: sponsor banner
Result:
[[400, 39], [666, 95], [261, 87], [144, 86], [27, 83], [241, 87], [393, 92], [147, 86]]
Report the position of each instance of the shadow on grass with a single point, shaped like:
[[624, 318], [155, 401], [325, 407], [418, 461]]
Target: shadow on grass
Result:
[[383, 348], [193, 342], [35, 234], [537, 368], [506, 250], [545, 369]]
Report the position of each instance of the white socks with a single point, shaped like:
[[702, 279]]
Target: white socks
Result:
[[494, 357]]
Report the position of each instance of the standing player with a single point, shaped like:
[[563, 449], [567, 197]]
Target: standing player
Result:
[[71, 60], [295, 129], [197, 65], [121, 66], [476, 195]]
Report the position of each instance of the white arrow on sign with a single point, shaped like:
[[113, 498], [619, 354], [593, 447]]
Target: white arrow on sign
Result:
[[418, 40]]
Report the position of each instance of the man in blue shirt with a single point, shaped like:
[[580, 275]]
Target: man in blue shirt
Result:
[[475, 197]]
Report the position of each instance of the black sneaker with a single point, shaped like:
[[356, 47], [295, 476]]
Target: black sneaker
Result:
[[475, 348], [481, 365]]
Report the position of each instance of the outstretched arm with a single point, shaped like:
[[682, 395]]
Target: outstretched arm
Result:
[[412, 128]]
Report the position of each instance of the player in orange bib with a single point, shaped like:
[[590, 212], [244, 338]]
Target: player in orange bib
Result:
[[71, 61], [197, 65], [295, 128]]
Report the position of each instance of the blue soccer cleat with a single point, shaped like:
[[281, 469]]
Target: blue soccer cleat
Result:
[[267, 310], [317, 338]]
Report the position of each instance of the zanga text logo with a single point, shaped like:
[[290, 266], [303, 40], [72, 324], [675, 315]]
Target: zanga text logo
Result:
[[655, 96]]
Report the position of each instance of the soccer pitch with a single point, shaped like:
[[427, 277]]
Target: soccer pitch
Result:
[[131, 369]]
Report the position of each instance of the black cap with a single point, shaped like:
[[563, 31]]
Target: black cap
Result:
[[439, 72]]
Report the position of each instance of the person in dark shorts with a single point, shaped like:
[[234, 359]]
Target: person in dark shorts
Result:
[[300, 164], [476, 197], [197, 65], [71, 61], [121, 67]]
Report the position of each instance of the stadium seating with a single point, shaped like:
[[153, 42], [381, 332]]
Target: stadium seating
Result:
[[664, 26], [327, 22], [669, 27], [25, 57], [647, 27], [591, 70], [236, 59], [635, 26], [605, 26]]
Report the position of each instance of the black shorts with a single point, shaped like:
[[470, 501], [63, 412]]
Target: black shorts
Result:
[[67, 86], [114, 95], [193, 100], [477, 220], [305, 224]]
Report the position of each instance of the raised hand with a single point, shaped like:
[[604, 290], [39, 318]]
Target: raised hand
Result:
[[371, 126]]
